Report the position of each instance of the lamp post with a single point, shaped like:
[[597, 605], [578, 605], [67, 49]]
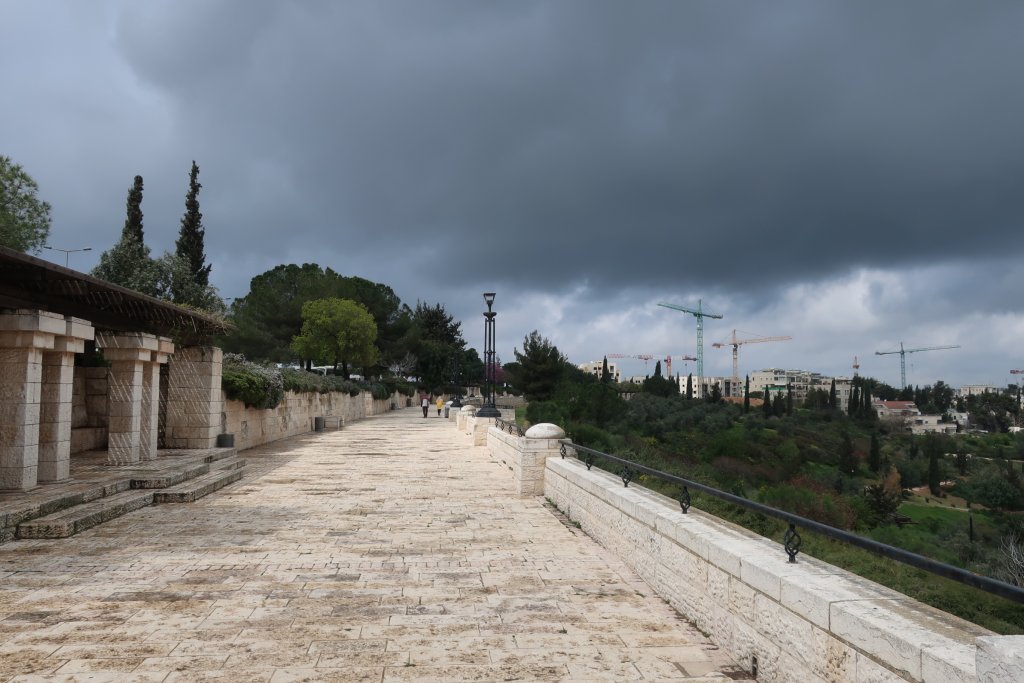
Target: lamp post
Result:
[[488, 409], [67, 252], [457, 400]]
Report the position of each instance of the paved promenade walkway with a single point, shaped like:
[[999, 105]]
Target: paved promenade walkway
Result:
[[391, 550]]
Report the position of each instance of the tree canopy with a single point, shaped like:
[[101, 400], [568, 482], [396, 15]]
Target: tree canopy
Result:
[[337, 332], [24, 218], [538, 368]]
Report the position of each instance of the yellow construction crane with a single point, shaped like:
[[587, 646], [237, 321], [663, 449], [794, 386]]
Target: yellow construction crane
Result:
[[903, 358], [735, 344]]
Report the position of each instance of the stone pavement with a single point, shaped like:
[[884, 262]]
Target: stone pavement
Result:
[[391, 550]]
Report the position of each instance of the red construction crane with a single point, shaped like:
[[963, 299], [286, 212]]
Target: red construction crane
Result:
[[735, 344], [856, 366], [668, 363]]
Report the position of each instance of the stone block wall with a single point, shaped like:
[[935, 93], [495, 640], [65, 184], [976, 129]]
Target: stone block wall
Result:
[[806, 622], [255, 427], [526, 456]]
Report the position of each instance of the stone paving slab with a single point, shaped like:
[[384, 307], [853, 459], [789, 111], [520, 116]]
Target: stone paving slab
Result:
[[392, 550]]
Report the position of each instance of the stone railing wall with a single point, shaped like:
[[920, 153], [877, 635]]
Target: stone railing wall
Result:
[[804, 622], [295, 415]]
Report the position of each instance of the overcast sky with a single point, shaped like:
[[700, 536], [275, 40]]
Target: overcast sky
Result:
[[846, 173]]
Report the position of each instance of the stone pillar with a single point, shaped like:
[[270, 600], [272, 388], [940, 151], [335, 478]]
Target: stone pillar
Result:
[[127, 353], [541, 441], [150, 421], [56, 398], [194, 402], [24, 335]]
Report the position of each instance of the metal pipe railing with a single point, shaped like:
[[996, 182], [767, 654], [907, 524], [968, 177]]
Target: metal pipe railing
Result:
[[792, 541]]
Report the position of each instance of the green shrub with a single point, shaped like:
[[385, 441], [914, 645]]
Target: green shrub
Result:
[[258, 386], [546, 411]]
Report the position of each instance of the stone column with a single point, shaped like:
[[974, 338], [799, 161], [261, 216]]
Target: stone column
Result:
[[194, 402], [24, 335], [541, 441], [127, 353], [150, 421], [55, 400]]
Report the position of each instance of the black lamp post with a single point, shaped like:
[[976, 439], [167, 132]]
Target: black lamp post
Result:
[[488, 409], [457, 400]]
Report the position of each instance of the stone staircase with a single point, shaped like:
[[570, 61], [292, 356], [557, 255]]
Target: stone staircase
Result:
[[84, 505]]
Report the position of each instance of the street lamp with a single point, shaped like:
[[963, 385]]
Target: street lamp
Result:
[[488, 409], [67, 252]]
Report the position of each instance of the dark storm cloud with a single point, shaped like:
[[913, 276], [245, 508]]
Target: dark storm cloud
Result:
[[648, 144]]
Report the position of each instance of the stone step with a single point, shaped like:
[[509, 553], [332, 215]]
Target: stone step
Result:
[[162, 480], [81, 517], [194, 489]]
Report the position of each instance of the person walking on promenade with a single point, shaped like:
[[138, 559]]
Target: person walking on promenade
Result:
[[440, 404], [426, 405]]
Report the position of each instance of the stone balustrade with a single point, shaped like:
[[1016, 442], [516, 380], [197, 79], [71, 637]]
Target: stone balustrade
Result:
[[803, 622]]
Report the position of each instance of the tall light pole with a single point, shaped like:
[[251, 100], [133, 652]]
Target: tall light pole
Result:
[[67, 252], [488, 409]]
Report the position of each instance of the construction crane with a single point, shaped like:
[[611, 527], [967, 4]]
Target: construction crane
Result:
[[856, 366], [668, 363], [903, 358], [699, 314], [645, 357], [1017, 372], [735, 344]]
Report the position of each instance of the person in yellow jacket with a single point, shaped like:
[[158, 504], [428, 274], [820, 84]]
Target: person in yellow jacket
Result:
[[440, 404]]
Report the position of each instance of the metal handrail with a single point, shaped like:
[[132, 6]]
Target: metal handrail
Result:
[[791, 541], [508, 426]]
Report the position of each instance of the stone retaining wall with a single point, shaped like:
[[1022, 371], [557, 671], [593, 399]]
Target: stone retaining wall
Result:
[[294, 415], [806, 622]]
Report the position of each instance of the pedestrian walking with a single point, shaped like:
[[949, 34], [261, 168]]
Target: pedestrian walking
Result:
[[440, 404], [426, 405]]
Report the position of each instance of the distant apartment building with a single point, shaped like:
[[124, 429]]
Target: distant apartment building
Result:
[[596, 367], [911, 418], [976, 390]]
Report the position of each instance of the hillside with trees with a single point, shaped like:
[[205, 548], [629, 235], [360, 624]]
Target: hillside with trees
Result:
[[956, 498]]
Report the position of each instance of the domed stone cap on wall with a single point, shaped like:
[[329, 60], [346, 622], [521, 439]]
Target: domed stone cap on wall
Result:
[[469, 409], [545, 430]]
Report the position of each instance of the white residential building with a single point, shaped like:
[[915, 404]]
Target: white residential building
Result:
[[596, 367], [976, 390]]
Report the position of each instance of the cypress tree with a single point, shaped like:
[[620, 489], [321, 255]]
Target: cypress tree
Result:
[[847, 458], [128, 262], [789, 399], [853, 405], [190, 245], [689, 385], [875, 454], [766, 407], [657, 369], [133, 221], [746, 396], [832, 395], [605, 375]]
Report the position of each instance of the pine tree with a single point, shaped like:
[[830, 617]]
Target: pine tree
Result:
[[746, 396], [657, 369], [190, 245]]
